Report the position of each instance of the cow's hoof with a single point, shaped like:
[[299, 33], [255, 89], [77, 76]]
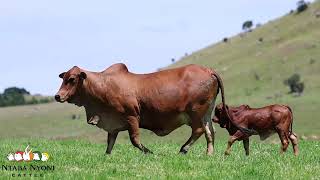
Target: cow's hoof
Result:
[[209, 153], [147, 151], [183, 151], [227, 153]]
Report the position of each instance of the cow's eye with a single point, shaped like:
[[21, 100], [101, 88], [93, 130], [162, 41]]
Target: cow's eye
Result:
[[71, 80]]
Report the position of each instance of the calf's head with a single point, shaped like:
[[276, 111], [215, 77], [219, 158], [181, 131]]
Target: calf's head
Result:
[[220, 116], [71, 86]]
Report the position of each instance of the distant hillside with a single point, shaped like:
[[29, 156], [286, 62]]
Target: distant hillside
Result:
[[255, 64]]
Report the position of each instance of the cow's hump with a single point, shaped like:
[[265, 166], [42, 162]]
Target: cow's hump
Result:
[[116, 68]]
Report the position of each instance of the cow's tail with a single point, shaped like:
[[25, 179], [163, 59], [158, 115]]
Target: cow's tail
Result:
[[242, 129], [291, 115]]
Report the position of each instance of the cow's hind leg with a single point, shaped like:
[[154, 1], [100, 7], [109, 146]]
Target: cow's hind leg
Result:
[[200, 116], [284, 140], [134, 134], [294, 140], [209, 132], [208, 128], [196, 133]]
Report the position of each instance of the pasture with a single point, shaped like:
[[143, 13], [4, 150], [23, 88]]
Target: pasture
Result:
[[253, 73], [84, 160]]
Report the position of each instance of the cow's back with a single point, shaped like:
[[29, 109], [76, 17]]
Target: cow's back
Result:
[[174, 89]]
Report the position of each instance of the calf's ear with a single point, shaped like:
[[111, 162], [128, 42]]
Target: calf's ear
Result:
[[83, 75], [62, 74]]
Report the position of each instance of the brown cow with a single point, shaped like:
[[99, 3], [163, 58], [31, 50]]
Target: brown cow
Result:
[[265, 121], [117, 100]]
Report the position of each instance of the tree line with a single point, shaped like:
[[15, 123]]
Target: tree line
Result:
[[14, 96]]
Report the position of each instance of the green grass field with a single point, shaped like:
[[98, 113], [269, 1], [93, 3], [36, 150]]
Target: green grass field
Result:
[[291, 44], [84, 160]]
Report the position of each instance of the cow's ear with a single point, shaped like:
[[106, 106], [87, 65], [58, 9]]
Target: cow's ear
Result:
[[83, 75], [227, 107], [62, 74]]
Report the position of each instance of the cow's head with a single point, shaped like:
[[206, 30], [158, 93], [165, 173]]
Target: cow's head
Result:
[[71, 86], [220, 116]]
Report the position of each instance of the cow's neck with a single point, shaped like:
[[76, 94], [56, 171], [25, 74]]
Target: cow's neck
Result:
[[94, 90]]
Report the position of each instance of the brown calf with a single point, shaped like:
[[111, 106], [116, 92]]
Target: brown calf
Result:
[[265, 121]]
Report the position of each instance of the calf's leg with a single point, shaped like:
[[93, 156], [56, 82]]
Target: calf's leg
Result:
[[134, 134], [231, 140], [111, 140], [294, 140], [246, 145]]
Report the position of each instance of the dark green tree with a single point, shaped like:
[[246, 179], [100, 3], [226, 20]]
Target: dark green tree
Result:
[[246, 26], [294, 84], [301, 6]]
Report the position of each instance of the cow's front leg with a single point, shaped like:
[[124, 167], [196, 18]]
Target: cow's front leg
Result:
[[231, 140], [111, 140], [246, 145], [134, 134]]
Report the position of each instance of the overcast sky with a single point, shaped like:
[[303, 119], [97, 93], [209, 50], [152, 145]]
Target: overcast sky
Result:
[[40, 39]]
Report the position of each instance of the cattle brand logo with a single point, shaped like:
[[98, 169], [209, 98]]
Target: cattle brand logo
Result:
[[28, 156]]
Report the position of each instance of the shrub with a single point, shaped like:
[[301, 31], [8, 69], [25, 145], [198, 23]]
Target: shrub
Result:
[[301, 6], [312, 61], [294, 84], [246, 26], [13, 96], [15, 90], [225, 39]]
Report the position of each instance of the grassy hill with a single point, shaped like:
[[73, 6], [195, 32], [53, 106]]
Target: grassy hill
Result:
[[291, 44]]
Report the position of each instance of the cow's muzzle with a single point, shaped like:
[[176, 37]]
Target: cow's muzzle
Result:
[[58, 98]]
